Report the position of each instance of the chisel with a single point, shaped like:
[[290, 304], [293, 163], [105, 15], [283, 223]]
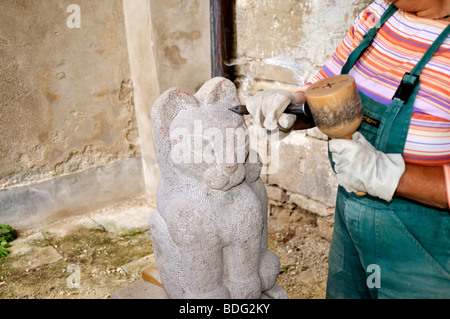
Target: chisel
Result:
[[300, 110]]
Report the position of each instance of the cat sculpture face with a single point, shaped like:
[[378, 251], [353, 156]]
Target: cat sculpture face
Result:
[[210, 144]]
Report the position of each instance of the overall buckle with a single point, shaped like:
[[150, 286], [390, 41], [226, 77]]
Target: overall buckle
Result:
[[406, 88]]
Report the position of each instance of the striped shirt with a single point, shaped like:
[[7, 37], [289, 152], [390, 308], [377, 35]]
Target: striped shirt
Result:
[[398, 46]]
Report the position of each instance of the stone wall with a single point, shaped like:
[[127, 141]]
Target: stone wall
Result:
[[281, 45]]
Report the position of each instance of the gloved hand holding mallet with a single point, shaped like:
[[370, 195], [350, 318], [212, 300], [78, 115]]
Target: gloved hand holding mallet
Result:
[[334, 106], [337, 111]]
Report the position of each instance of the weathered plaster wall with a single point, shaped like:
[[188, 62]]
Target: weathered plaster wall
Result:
[[68, 130], [66, 97], [169, 46], [75, 127], [138, 25], [281, 45], [182, 43]]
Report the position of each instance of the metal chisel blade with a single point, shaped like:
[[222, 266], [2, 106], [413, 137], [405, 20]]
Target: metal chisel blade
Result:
[[291, 109]]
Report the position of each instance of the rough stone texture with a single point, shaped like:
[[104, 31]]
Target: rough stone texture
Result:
[[66, 97], [281, 45], [34, 251], [325, 227], [69, 226], [287, 42], [209, 233], [140, 289], [310, 205], [288, 208], [136, 267], [276, 193], [124, 221]]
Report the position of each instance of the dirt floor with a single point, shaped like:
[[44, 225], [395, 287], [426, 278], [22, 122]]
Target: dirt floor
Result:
[[303, 254], [99, 255]]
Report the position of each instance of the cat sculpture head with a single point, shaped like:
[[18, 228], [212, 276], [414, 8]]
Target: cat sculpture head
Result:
[[198, 136]]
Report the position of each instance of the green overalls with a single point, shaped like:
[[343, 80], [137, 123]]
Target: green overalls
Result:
[[399, 249]]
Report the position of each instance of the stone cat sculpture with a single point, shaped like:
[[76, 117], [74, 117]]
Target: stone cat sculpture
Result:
[[209, 233]]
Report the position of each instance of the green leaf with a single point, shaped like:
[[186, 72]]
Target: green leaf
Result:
[[3, 253], [285, 268]]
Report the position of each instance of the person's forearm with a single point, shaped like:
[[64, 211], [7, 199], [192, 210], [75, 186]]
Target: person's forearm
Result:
[[424, 184]]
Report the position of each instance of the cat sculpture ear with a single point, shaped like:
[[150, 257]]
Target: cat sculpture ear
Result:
[[163, 112]]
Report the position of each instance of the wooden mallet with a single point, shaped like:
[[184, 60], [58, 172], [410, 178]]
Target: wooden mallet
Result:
[[336, 107]]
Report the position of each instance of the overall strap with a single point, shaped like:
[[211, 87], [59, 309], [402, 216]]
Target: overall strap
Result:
[[367, 40], [394, 131], [431, 50], [411, 80]]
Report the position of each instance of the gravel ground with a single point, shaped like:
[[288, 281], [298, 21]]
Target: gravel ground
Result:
[[303, 254], [100, 255]]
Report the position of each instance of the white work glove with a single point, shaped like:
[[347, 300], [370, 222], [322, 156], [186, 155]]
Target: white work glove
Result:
[[361, 167], [266, 109]]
